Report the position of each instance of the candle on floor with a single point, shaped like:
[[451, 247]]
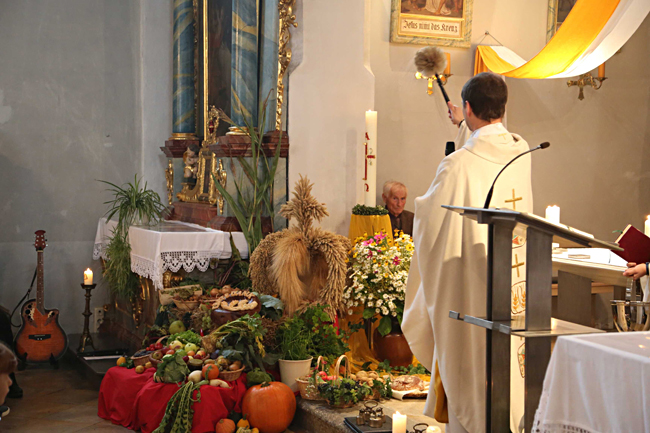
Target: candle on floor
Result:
[[647, 226], [399, 423], [553, 214], [370, 185], [88, 277]]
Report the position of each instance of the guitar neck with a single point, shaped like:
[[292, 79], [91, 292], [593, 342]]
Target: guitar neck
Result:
[[39, 284]]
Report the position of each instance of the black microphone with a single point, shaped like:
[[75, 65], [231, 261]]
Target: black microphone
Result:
[[450, 148], [544, 145]]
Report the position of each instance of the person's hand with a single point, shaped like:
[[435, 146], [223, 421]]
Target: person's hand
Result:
[[635, 271], [455, 113]]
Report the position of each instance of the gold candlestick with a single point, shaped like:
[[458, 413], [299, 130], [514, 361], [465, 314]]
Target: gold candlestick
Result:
[[85, 336]]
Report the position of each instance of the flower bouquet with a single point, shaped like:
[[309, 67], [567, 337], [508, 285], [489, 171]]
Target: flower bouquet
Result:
[[378, 280]]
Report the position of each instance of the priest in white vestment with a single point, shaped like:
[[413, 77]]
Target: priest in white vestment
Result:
[[449, 266]]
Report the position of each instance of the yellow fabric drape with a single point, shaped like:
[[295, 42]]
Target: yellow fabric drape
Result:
[[581, 27], [368, 225]]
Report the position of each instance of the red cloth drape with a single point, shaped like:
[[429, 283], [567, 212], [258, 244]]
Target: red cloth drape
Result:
[[135, 401]]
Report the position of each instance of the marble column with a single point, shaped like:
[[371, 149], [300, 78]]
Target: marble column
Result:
[[244, 69], [184, 115]]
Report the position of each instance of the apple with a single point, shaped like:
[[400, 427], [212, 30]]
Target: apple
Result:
[[191, 353], [170, 352], [157, 355], [191, 347], [201, 353], [176, 345]]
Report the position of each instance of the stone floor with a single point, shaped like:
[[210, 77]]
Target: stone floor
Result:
[[55, 401]]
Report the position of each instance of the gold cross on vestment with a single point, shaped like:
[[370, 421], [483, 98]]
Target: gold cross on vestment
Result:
[[514, 200], [517, 265]]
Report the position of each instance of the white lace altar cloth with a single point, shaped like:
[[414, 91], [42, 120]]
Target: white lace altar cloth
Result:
[[171, 245], [102, 237], [597, 383]]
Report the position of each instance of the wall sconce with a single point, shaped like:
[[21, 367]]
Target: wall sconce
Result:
[[443, 77], [589, 80]]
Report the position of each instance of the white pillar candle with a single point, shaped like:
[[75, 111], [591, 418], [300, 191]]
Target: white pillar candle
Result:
[[553, 214], [647, 226], [433, 429], [399, 423], [370, 183], [88, 277]]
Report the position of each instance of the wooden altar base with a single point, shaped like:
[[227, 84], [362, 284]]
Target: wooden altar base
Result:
[[206, 215]]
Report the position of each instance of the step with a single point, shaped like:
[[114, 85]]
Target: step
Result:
[[318, 416]]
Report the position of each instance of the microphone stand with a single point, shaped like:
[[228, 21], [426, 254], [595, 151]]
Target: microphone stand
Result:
[[489, 196]]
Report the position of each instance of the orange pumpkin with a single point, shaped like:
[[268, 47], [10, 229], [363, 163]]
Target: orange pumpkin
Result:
[[225, 425], [269, 398], [210, 372]]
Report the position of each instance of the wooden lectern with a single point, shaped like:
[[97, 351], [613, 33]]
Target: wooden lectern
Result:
[[537, 328]]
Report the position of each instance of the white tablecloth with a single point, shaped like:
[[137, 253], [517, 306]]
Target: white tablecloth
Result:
[[102, 238], [171, 245], [597, 383]]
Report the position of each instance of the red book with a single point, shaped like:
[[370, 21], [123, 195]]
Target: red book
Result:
[[636, 245]]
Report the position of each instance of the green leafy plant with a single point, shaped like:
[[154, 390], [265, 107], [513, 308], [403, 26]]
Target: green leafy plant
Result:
[[310, 333], [361, 209], [260, 172], [342, 391], [294, 339], [132, 204], [241, 340]]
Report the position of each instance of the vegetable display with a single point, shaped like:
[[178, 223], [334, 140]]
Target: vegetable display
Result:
[[179, 413], [270, 407], [172, 369]]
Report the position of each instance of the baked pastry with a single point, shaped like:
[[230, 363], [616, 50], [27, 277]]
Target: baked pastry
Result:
[[408, 383]]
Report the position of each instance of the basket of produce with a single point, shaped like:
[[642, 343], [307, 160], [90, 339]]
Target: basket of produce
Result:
[[375, 387], [341, 392], [308, 385], [232, 372], [141, 357], [187, 298]]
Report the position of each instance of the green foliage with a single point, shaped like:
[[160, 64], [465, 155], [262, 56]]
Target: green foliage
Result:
[[260, 173], [342, 391], [179, 413], [241, 339], [294, 339], [361, 209], [257, 377], [117, 272], [132, 204], [310, 333], [272, 307], [186, 337], [411, 369], [172, 369], [385, 325]]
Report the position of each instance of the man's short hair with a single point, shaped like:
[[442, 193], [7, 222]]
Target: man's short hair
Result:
[[388, 187], [487, 94], [8, 362]]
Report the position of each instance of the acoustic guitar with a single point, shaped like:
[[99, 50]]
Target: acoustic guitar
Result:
[[41, 338]]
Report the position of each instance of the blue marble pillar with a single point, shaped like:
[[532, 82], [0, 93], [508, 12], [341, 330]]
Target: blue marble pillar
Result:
[[244, 66], [183, 112], [268, 70]]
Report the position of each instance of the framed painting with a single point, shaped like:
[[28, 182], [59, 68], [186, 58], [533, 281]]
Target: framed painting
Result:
[[432, 22], [557, 13]]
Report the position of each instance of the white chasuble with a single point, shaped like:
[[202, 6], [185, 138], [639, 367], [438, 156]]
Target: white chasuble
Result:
[[449, 269]]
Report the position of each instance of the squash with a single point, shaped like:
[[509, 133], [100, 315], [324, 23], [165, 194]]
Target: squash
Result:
[[210, 372], [243, 422], [225, 425], [270, 407]]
